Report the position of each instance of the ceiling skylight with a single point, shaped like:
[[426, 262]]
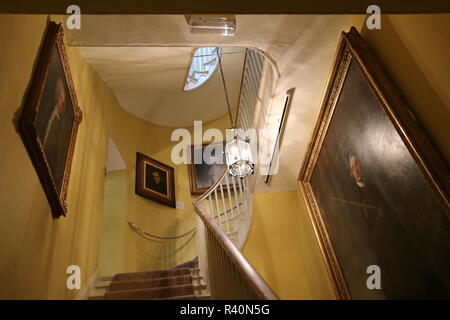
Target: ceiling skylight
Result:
[[204, 63]]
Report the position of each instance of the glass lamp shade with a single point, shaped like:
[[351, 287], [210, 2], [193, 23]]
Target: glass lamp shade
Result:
[[239, 157]]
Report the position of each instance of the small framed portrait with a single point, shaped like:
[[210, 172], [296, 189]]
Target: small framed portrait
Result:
[[50, 119], [207, 163], [155, 180], [376, 189]]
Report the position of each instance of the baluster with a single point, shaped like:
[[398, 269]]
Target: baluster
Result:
[[224, 206], [212, 264], [246, 105], [230, 283], [245, 185], [202, 254], [222, 277], [230, 202], [211, 211], [217, 275], [253, 95], [247, 116], [218, 210], [240, 188], [236, 197]]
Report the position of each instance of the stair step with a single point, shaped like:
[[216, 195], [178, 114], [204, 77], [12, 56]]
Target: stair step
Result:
[[96, 297], [188, 297], [105, 284], [152, 274], [101, 294], [178, 283], [152, 293], [149, 283]]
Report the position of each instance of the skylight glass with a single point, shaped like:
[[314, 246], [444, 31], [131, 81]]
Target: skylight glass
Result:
[[204, 63]]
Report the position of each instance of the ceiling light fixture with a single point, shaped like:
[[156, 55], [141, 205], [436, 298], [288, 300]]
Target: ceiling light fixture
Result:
[[224, 25]]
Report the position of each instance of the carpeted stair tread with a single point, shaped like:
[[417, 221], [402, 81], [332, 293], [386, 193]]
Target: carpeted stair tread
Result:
[[150, 283], [152, 293], [189, 297], [151, 274]]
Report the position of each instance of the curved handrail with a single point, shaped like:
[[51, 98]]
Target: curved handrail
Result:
[[252, 278], [253, 281]]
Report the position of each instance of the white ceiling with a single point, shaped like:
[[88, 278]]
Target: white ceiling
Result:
[[302, 46], [148, 82]]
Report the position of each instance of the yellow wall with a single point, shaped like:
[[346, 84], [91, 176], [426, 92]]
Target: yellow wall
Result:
[[114, 223], [35, 249], [131, 134], [282, 247]]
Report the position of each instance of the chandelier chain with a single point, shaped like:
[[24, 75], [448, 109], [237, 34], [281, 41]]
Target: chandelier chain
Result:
[[225, 90]]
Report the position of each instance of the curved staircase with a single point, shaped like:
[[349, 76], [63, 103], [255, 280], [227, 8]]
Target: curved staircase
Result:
[[223, 220], [183, 282]]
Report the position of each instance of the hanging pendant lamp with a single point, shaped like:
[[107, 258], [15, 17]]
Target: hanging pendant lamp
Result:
[[237, 149]]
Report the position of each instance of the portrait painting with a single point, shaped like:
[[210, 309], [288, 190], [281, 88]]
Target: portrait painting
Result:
[[207, 164], [375, 187], [50, 119], [155, 180]]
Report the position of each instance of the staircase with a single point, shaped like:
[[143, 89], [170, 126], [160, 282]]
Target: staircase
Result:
[[224, 216], [183, 282]]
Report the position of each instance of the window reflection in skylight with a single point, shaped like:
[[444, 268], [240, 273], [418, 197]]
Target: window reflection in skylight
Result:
[[204, 63]]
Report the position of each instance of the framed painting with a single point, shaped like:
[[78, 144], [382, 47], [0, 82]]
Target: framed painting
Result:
[[375, 188], [155, 180], [207, 163], [50, 119]]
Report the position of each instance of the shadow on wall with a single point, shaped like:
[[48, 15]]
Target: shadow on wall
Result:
[[164, 255], [406, 69]]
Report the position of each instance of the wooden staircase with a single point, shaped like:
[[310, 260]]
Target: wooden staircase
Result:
[[183, 282]]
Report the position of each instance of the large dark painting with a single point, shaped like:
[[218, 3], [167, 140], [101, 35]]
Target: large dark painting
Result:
[[376, 195], [50, 119], [155, 180]]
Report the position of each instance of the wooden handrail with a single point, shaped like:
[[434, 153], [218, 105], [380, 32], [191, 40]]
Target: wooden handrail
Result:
[[251, 277]]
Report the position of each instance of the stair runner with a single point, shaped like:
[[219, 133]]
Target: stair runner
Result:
[[170, 284]]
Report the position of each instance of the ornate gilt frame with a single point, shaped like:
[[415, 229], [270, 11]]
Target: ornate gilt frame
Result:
[[434, 167], [140, 188], [54, 36], [195, 189]]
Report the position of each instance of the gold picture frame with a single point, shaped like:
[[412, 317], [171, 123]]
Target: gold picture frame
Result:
[[202, 176], [50, 119], [321, 178], [155, 180]]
